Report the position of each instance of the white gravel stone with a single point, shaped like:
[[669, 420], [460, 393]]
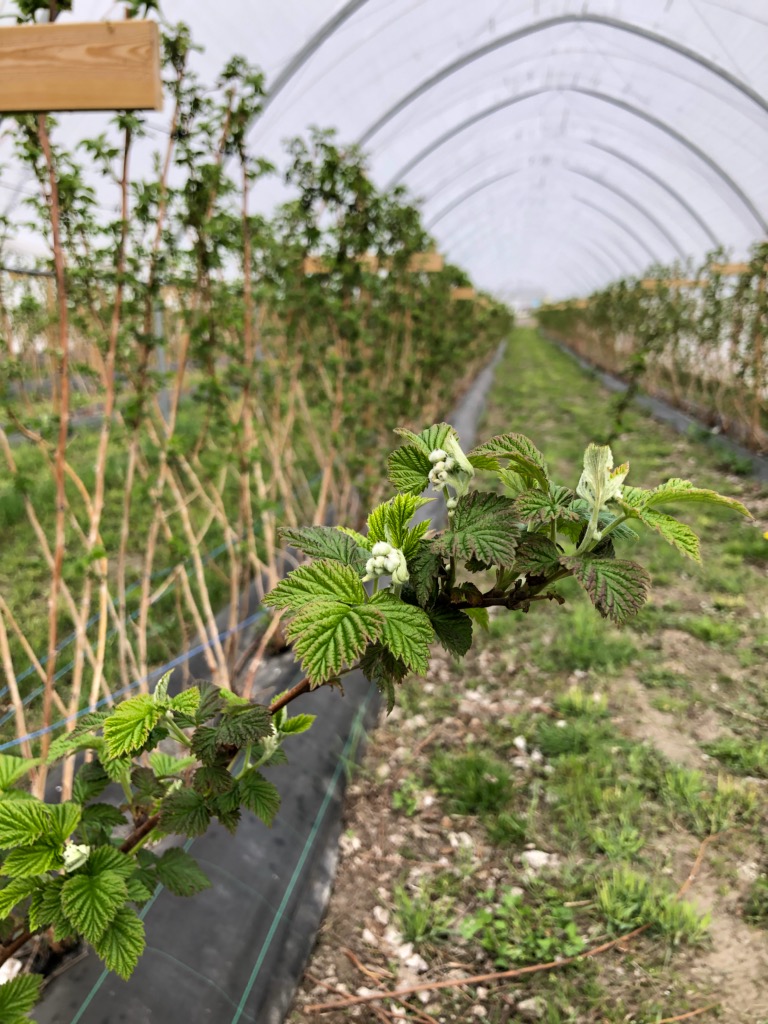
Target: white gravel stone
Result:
[[381, 914]]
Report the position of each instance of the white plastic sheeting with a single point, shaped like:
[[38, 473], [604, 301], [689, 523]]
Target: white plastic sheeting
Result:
[[553, 144]]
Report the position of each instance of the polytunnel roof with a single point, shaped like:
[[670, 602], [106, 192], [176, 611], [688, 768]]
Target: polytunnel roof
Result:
[[554, 145]]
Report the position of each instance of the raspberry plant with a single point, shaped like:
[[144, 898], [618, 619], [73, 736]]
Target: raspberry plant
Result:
[[83, 867]]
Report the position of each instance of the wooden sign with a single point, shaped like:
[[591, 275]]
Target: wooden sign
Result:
[[730, 268], [420, 262], [462, 294], [103, 65]]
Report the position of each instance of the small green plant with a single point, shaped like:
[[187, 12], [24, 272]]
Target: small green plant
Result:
[[576, 702], [472, 783], [741, 755], [712, 630], [756, 902], [513, 931], [406, 797], [424, 916], [707, 811], [628, 900], [620, 841]]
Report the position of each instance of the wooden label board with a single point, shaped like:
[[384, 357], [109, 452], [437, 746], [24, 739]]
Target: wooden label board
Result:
[[463, 294], [102, 65]]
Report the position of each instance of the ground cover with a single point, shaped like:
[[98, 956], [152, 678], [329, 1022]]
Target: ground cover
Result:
[[589, 782]]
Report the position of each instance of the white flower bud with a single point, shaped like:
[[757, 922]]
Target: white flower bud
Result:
[[75, 856], [381, 548], [449, 464], [451, 503], [370, 566], [392, 562], [439, 466], [437, 455]]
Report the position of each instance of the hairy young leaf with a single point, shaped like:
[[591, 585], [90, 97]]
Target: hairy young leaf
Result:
[[130, 724], [384, 670], [22, 822], [122, 943], [323, 578], [14, 768], [327, 542], [181, 873], [185, 812], [424, 569], [676, 491], [18, 996], [244, 725], [296, 725], [91, 902], [259, 795], [536, 555], [672, 530], [430, 438], [574, 530], [523, 455], [409, 468], [14, 892], [406, 631], [390, 522], [187, 702], [453, 629], [484, 527], [328, 634], [617, 588], [545, 506]]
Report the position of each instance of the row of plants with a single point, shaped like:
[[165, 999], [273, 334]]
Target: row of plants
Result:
[[238, 373], [693, 334]]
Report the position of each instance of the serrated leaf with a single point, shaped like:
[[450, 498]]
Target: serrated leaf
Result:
[[523, 455], [99, 819], [323, 578], [205, 744], [297, 724], [138, 891], [453, 628], [45, 908], [390, 522], [541, 506], [431, 438], [22, 822], [243, 725], [676, 491], [65, 818], [90, 781], [480, 616], [187, 702], [18, 996], [259, 796], [160, 693], [408, 469], [181, 873], [117, 768], [185, 812], [536, 555], [109, 858], [31, 860], [384, 670], [673, 531], [484, 527], [70, 743], [406, 631], [424, 571], [328, 634], [213, 779], [166, 765], [91, 902], [122, 943], [617, 588], [484, 462], [17, 890], [327, 542], [130, 724], [211, 702], [14, 768]]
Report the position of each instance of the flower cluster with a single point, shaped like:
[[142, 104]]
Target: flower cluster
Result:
[[386, 560]]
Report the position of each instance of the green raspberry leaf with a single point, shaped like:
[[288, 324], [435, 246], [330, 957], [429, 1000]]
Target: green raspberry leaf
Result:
[[406, 631], [409, 468], [617, 588], [324, 578], [259, 796], [130, 724], [430, 438], [122, 943], [91, 902], [241, 725], [384, 670], [424, 571], [540, 506], [296, 725], [22, 822], [185, 812], [326, 542], [522, 454], [17, 890], [536, 555], [18, 996], [181, 873], [673, 531], [328, 635], [187, 702], [28, 861], [453, 629], [65, 819], [13, 768], [677, 491], [484, 527]]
